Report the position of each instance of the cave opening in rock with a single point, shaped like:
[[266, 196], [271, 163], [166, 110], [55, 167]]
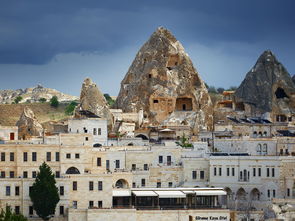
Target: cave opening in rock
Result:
[[184, 104], [280, 93]]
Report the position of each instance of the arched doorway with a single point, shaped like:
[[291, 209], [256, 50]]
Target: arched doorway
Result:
[[241, 194], [142, 136], [72, 170], [255, 194], [121, 183]]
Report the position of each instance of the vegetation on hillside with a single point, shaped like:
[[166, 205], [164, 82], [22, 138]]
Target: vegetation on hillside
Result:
[[109, 99], [9, 215], [54, 101], [18, 99], [70, 108]]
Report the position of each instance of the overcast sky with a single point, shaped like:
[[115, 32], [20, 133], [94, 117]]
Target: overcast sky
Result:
[[59, 43]]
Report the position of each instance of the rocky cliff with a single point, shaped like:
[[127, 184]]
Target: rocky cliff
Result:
[[268, 87], [33, 95], [163, 82], [91, 99]]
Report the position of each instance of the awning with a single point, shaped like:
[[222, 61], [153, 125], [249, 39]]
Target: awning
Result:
[[144, 193], [170, 194], [120, 193], [167, 130], [188, 191], [210, 192]]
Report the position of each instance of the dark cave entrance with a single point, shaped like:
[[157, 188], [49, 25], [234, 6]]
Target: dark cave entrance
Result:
[[280, 93]]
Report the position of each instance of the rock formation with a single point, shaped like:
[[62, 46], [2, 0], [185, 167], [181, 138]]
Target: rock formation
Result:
[[28, 125], [163, 82], [268, 87], [91, 99], [33, 95]]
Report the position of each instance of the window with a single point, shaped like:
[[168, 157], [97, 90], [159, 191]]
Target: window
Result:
[[160, 159], [143, 182], [25, 174], [259, 171], [16, 190], [233, 171], [7, 192], [68, 156], [158, 184], [168, 160], [107, 164], [170, 184], [34, 156], [133, 185], [48, 156], [220, 171], [274, 193], [117, 163], [3, 156], [268, 193], [215, 171], [90, 204], [90, 185], [227, 171], [75, 204], [254, 171], [77, 156], [94, 131], [57, 156], [145, 167], [267, 172], [61, 190], [30, 189], [2, 174], [202, 174], [25, 156], [16, 210], [61, 210], [156, 101], [288, 192], [99, 204], [11, 156], [99, 185], [273, 172], [75, 185], [133, 167], [34, 174], [98, 161], [11, 174], [31, 210], [98, 131], [194, 175], [57, 174]]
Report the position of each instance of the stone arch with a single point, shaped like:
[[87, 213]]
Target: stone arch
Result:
[[122, 183], [228, 197], [241, 194], [72, 170], [142, 136], [255, 194]]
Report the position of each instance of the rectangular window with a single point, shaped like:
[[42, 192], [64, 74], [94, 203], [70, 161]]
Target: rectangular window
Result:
[[117, 164], [75, 204], [98, 131], [61, 210], [99, 204], [2, 174], [220, 171], [107, 164], [2, 156], [25, 156], [48, 156], [75, 185], [31, 210], [34, 174], [273, 193], [90, 185], [11, 156], [158, 184], [99, 185], [98, 161], [68, 156], [254, 171], [145, 167], [94, 131], [288, 192], [227, 171], [143, 182], [268, 193], [170, 184], [30, 189], [233, 171], [202, 174], [160, 159], [90, 204], [168, 160], [56, 156], [11, 174], [57, 174], [133, 185], [194, 175], [77, 156], [273, 172], [17, 210], [133, 167], [25, 174], [7, 192], [16, 190], [259, 171], [61, 190], [267, 172], [34, 156]]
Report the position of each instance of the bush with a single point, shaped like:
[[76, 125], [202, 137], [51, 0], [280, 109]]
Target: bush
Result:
[[18, 99], [8, 215], [109, 99], [42, 100], [54, 101], [70, 108]]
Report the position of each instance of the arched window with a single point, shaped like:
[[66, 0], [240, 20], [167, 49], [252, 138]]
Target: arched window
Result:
[[255, 134], [241, 194], [259, 149], [255, 194], [72, 170], [121, 184], [264, 150]]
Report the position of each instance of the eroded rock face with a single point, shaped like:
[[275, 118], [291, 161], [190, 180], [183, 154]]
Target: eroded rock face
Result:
[[91, 99], [268, 87], [163, 82], [28, 125]]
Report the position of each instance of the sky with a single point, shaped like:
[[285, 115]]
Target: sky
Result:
[[59, 43]]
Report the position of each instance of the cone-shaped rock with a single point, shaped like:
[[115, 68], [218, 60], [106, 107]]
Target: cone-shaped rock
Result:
[[268, 87], [164, 83], [28, 125], [91, 99]]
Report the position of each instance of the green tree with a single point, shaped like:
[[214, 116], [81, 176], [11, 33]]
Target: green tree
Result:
[[212, 90], [109, 99], [18, 99], [232, 88], [8, 215], [220, 90], [184, 142], [42, 100], [70, 108], [44, 193], [54, 101]]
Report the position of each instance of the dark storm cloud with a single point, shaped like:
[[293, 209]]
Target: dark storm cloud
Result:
[[33, 32]]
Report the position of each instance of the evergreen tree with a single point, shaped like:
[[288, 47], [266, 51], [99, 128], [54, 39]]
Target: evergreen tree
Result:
[[8, 215], [44, 193], [54, 101]]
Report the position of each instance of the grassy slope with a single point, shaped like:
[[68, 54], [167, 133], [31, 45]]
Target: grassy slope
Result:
[[10, 113]]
